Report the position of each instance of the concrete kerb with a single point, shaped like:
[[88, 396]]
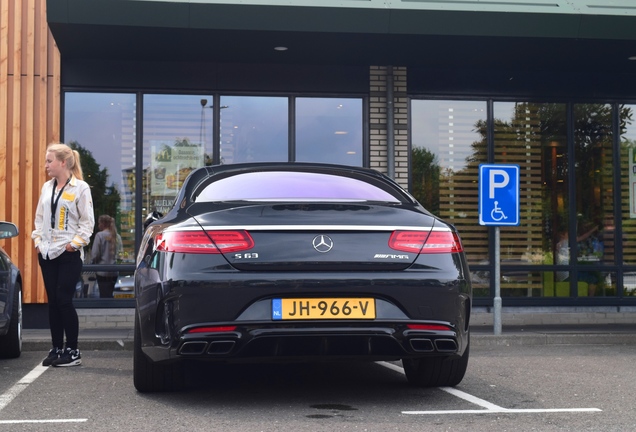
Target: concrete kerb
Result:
[[574, 336], [556, 316], [112, 329], [555, 326]]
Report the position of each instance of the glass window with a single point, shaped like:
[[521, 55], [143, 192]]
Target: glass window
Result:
[[448, 142], [292, 186], [628, 189], [534, 136], [254, 129], [177, 139], [594, 168], [329, 130], [577, 235], [101, 126]]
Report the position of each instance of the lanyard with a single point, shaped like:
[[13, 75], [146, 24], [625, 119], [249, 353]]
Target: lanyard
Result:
[[55, 200]]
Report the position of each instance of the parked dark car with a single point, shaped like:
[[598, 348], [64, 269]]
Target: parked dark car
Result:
[[299, 262], [10, 299]]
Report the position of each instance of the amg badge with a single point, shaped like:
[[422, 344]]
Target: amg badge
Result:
[[390, 256]]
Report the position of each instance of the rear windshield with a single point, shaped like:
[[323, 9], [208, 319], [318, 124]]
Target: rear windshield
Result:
[[292, 186]]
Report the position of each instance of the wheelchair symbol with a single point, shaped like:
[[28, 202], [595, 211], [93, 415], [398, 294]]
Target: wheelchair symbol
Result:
[[497, 214]]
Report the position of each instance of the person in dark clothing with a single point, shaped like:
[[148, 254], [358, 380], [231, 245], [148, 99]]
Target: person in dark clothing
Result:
[[104, 251]]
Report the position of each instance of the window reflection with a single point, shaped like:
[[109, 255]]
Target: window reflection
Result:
[[594, 191], [329, 130], [177, 139], [102, 127], [534, 136], [628, 189], [449, 141], [448, 144], [254, 129]]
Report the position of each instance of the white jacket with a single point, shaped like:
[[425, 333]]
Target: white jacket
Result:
[[74, 219]]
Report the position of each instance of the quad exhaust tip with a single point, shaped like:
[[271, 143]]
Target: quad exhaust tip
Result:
[[445, 345], [428, 345], [193, 348]]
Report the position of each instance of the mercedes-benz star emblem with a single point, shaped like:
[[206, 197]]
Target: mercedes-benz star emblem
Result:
[[322, 243]]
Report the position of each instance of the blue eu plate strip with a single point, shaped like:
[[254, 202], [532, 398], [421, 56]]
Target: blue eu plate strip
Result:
[[277, 309]]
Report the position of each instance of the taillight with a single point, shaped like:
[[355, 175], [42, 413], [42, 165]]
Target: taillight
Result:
[[433, 327], [211, 329], [426, 242], [199, 241], [408, 241]]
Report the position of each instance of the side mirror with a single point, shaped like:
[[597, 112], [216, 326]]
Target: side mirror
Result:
[[8, 230], [154, 216]]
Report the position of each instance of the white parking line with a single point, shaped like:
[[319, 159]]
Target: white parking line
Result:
[[7, 397], [14, 391], [490, 408], [43, 421]]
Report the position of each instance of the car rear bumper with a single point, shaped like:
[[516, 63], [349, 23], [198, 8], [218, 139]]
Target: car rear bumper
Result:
[[312, 341], [168, 312]]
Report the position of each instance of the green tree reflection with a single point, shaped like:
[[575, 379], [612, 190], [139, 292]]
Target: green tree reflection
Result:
[[106, 198], [425, 178]]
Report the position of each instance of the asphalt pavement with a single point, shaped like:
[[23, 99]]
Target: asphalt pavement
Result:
[[530, 335]]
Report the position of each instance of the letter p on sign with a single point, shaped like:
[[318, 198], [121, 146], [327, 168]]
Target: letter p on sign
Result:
[[498, 179]]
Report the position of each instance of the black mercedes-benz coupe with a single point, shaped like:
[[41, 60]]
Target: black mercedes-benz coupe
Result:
[[10, 299], [299, 262]]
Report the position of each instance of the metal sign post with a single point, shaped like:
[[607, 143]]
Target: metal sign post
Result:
[[498, 205], [497, 299]]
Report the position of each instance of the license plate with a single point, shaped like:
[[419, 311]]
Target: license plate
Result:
[[323, 308], [118, 295]]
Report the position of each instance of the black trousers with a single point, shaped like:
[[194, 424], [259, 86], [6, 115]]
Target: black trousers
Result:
[[106, 285], [60, 278]]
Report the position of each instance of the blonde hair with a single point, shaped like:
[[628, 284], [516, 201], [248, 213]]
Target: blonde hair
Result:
[[63, 152]]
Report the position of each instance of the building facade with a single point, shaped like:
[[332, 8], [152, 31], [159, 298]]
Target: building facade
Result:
[[422, 91]]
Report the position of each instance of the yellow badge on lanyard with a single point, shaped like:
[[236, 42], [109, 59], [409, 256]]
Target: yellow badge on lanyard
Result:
[[62, 218]]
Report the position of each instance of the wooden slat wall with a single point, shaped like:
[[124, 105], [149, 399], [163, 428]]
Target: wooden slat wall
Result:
[[461, 148], [519, 141], [629, 225], [29, 120]]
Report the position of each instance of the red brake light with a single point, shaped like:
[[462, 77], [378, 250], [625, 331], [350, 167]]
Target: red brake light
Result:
[[212, 329], [408, 241], [425, 242], [199, 241], [435, 327]]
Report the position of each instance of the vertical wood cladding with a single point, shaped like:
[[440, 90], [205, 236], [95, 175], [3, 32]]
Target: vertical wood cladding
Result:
[[29, 120]]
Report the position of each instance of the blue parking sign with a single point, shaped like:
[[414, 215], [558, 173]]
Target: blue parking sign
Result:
[[498, 194]]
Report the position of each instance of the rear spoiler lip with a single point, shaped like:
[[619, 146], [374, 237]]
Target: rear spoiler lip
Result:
[[330, 227]]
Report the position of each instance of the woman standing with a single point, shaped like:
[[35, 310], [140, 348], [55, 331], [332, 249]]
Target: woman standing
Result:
[[64, 224], [104, 251]]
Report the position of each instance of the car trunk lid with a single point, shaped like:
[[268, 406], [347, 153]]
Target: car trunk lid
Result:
[[316, 236]]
